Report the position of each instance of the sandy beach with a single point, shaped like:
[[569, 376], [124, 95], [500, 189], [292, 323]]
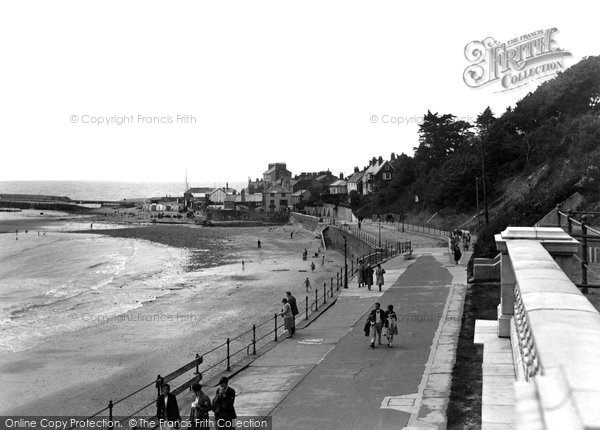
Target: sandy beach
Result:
[[78, 372]]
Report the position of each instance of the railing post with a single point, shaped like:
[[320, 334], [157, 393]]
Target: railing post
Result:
[[558, 207], [324, 292], [570, 221], [331, 289], [110, 412], [228, 357], [352, 267], [337, 280], [331, 283], [316, 299], [306, 307], [197, 372], [275, 318], [584, 257], [159, 384], [253, 339]]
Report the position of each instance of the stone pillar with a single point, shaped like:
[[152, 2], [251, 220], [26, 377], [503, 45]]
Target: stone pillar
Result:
[[507, 296], [559, 245]]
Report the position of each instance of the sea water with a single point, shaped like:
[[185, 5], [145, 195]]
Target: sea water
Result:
[[56, 282]]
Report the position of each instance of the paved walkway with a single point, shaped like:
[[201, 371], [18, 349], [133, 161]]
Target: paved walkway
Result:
[[328, 377]]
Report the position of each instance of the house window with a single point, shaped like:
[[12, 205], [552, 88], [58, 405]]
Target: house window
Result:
[[387, 176], [387, 167], [272, 203], [282, 202], [272, 194], [282, 194]]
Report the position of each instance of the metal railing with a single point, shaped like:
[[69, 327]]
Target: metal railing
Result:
[[221, 358], [579, 229]]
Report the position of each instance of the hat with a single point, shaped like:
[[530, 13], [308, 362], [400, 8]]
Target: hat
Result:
[[223, 380]]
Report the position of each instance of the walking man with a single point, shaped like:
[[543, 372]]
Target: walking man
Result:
[[379, 318], [167, 408], [292, 301], [223, 404], [258, 243]]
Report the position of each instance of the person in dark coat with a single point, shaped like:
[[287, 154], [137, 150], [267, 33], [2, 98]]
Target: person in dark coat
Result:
[[223, 404], [166, 406], [292, 301], [378, 320], [361, 274], [457, 254], [199, 409], [369, 276]]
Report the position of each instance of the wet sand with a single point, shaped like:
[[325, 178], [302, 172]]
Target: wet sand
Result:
[[78, 372]]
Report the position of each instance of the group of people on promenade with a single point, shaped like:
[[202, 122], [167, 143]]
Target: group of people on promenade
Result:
[[365, 275], [381, 323], [222, 405], [457, 238]]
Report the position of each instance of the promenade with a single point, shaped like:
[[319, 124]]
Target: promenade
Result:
[[327, 376]]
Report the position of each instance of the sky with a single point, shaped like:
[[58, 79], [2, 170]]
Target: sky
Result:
[[143, 90]]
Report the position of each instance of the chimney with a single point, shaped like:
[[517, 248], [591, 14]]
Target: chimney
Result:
[[380, 159], [373, 161], [227, 185], [341, 175], [356, 169]]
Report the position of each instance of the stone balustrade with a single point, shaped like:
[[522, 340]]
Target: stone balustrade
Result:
[[554, 331]]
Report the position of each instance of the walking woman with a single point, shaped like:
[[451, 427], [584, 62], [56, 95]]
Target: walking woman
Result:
[[379, 275], [392, 325], [200, 407], [288, 317]]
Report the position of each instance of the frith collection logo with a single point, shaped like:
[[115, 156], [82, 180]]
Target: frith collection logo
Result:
[[514, 63]]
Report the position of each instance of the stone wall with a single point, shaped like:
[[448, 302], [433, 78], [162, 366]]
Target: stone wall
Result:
[[310, 223], [233, 215], [335, 241]]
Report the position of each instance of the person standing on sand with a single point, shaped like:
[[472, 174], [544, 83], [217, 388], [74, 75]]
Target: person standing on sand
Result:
[[223, 404], [307, 285], [323, 261], [167, 408], [288, 317], [242, 264], [258, 241], [199, 410], [292, 301], [292, 235], [379, 276], [312, 266]]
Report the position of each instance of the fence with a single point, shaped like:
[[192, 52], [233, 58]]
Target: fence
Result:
[[220, 358], [580, 230]]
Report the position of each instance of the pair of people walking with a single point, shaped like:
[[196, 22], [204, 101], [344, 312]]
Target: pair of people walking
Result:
[[382, 323], [289, 312]]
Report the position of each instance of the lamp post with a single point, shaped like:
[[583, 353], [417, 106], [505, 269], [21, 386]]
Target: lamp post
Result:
[[485, 203], [379, 217], [345, 262], [477, 200]]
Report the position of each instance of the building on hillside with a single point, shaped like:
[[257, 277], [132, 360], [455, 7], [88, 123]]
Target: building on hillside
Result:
[[276, 199], [196, 197], [299, 198], [379, 173], [355, 181], [339, 187], [254, 187], [277, 174]]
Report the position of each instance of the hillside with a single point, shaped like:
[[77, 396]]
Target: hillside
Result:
[[535, 155]]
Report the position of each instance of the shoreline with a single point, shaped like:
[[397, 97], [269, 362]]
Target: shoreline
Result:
[[111, 359]]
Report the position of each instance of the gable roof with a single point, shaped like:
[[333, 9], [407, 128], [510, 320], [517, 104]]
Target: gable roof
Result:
[[375, 168], [339, 183], [276, 189], [200, 190], [356, 177]]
